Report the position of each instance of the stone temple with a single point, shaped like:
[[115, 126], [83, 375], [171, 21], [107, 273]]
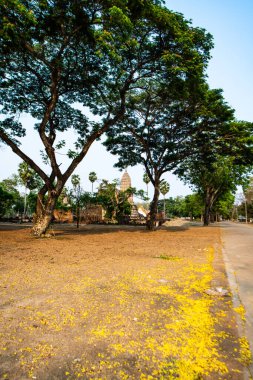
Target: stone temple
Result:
[[125, 183]]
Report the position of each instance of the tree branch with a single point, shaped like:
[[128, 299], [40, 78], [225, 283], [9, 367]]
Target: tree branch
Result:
[[24, 157]]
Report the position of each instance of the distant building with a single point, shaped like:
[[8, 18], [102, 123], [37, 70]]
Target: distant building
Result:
[[125, 183]]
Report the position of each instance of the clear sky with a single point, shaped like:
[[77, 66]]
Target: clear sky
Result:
[[231, 68]]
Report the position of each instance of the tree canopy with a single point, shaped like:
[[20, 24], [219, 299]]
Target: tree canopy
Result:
[[58, 55]]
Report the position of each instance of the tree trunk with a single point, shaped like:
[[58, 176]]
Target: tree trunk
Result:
[[209, 199], [25, 203], [77, 215], [42, 224], [151, 222], [44, 213], [206, 215]]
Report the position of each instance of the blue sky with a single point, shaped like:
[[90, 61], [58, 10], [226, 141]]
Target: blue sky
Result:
[[231, 68]]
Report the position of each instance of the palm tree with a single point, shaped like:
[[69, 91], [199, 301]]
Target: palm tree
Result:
[[146, 180], [92, 179], [75, 180], [25, 174], [164, 189]]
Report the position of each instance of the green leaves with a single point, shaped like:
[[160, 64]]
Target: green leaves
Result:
[[12, 128], [28, 177], [6, 200], [72, 154], [164, 187], [118, 17], [60, 144], [75, 180]]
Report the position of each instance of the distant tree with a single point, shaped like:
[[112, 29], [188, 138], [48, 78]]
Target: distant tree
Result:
[[224, 205], [75, 180], [214, 180], [193, 206], [92, 179], [146, 180], [164, 189], [6, 200], [248, 190], [29, 179], [247, 203], [31, 202], [76, 193], [174, 206], [11, 183], [15, 203], [188, 206], [114, 201], [244, 209]]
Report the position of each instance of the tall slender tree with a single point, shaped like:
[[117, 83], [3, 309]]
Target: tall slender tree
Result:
[[92, 179], [25, 173], [29, 179], [146, 180], [76, 182], [164, 189]]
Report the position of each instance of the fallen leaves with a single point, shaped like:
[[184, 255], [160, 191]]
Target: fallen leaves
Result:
[[116, 314]]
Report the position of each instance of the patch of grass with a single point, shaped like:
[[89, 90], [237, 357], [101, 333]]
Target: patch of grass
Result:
[[168, 257]]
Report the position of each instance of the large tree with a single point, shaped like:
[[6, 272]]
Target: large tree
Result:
[[57, 54], [158, 128]]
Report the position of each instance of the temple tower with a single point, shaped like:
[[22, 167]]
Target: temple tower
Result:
[[125, 183]]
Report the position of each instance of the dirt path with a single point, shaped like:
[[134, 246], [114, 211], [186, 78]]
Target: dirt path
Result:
[[108, 302]]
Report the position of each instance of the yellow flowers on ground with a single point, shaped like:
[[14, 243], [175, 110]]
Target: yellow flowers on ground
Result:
[[140, 317]]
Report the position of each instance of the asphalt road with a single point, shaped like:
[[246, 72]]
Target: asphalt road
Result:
[[237, 241]]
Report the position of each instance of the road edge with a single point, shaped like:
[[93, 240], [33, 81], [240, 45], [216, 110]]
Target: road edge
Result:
[[233, 284]]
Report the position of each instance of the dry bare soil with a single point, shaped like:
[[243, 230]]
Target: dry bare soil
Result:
[[111, 302]]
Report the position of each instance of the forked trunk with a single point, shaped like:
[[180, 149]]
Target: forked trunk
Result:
[[44, 214], [41, 225]]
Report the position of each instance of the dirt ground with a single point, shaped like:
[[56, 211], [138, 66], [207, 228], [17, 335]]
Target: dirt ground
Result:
[[114, 302]]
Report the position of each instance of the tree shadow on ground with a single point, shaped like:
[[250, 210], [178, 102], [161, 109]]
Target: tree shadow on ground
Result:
[[58, 230]]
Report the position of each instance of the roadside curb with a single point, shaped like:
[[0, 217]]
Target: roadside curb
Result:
[[233, 284]]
